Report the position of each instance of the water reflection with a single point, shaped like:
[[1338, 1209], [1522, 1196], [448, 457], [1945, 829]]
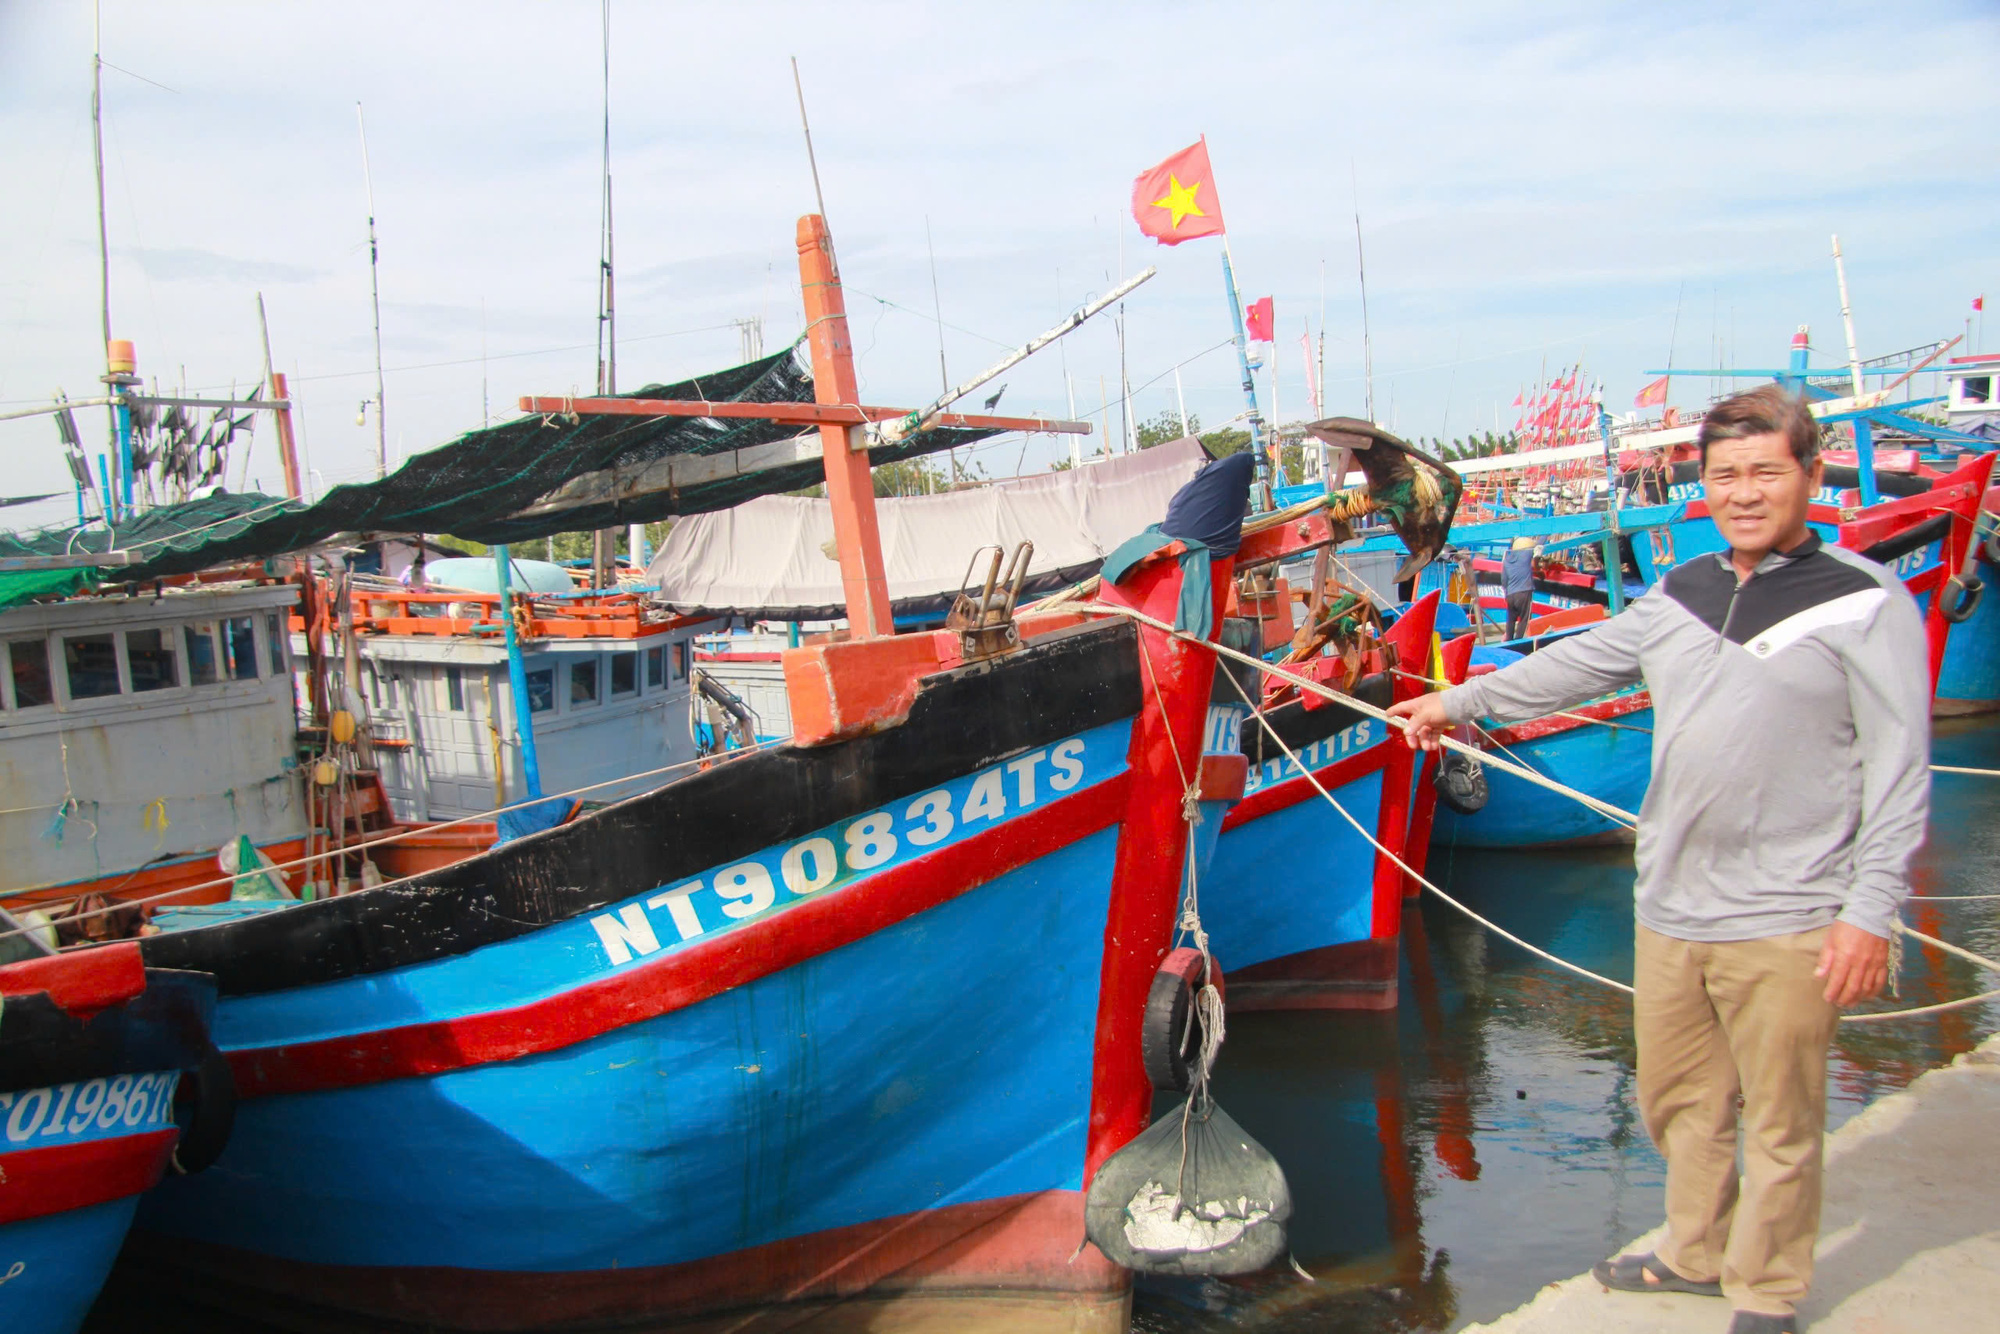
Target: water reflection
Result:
[[1448, 1159]]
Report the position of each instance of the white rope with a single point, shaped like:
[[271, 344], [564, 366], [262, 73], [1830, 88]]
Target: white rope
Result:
[[1495, 928], [1896, 926], [1366, 709], [1955, 769]]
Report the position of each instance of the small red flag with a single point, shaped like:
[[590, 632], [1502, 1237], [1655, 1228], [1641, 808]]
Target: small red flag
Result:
[[1257, 315], [1176, 201], [1979, 303], [1652, 395], [1517, 400]]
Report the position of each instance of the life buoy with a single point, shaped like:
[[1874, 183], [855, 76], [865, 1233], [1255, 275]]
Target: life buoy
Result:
[[205, 1110], [1960, 597], [1170, 1039]]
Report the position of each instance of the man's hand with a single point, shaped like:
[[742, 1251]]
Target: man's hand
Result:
[[1427, 720], [1855, 964]]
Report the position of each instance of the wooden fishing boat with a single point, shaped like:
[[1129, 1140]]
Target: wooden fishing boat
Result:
[[94, 1049], [834, 1029], [1308, 911]]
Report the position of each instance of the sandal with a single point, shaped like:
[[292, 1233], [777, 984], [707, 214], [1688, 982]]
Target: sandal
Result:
[[1627, 1273]]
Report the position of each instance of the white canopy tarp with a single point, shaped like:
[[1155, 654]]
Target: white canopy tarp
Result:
[[773, 556]]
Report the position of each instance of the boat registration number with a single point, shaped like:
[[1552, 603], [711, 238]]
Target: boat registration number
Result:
[[89, 1109]]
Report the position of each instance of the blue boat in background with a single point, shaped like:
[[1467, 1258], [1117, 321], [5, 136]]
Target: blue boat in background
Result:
[[94, 1051]]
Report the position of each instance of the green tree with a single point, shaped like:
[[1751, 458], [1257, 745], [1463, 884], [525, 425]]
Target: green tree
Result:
[[1165, 426]]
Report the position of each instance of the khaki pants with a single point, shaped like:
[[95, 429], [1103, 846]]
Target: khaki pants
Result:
[[1717, 1020]]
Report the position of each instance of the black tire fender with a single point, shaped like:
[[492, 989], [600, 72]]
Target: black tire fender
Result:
[[1170, 1037], [205, 1110], [1960, 597]]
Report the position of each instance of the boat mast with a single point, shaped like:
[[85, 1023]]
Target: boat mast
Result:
[[604, 543], [375, 297], [104, 262]]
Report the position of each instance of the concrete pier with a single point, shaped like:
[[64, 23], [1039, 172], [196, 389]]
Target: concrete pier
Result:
[[1909, 1234]]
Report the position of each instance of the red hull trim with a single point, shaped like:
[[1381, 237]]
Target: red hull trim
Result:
[[1608, 710], [1292, 791], [37, 1182], [685, 977], [1016, 1254]]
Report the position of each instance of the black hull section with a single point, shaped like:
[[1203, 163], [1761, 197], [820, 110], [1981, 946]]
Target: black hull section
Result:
[[960, 720], [164, 1027]]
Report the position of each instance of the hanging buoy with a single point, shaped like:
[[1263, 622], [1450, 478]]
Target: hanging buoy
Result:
[[1170, 1037], [341, 726], [325, 772]]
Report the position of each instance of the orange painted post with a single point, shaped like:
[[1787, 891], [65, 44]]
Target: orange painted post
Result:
[[288, 451], [848, 484]]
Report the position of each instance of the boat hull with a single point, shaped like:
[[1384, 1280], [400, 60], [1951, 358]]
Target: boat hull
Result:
[[836, 1030], [91, 1052], [1307, 908], [1612, 763]]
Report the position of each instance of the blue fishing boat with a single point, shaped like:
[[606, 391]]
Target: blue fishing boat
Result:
[[837, 1028], [1308, 911], [99, 1056]]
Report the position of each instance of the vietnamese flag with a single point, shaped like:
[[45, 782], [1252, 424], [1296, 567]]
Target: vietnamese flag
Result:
[[1176, 201], [1652, 395], [1258, 317]]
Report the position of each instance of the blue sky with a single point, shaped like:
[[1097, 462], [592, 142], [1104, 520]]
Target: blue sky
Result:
[[1538, 184]]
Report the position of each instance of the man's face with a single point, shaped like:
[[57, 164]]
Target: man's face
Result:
[[1757, 493]]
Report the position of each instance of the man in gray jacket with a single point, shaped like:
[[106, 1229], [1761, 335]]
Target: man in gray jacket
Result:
[[1791, 705]]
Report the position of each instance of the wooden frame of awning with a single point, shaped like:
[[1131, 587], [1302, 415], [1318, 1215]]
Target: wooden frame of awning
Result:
[[798, 414], [842, 446]]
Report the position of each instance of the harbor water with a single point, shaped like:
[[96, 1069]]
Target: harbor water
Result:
[[1451, 1157]]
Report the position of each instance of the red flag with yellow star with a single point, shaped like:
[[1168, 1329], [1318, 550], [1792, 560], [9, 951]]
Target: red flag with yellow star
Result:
[[1176, 201]]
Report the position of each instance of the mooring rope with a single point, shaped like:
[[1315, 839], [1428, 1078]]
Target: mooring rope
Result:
[[1305, 683], [1363, 707]]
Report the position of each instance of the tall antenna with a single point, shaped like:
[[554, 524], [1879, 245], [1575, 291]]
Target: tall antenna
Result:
[[375, 295], [103, 241], [97, 145], [937, 309], [1367, 344], [607, 307], [811, 158], [485, 408]]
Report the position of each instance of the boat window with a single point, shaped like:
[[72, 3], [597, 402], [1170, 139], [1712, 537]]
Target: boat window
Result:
[[681, 660], [278, 639], [239, 648], [30, 669], [1978, 388], [150, 656], [91, 662], [454, 688], [201, 654], [582, 682], [656, 667], [624, 674], [542, 690]]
